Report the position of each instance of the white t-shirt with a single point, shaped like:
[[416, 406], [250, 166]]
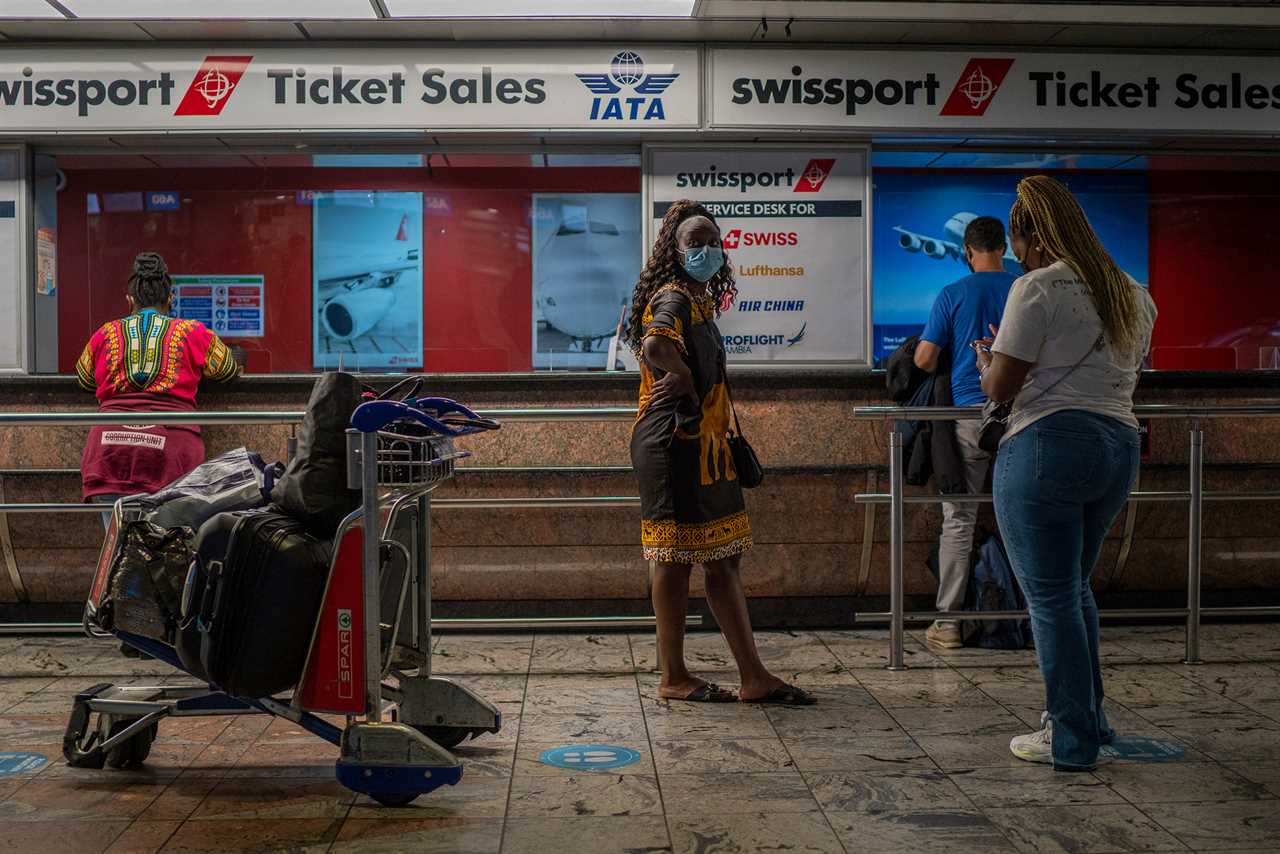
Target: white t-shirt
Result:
[[1050, 320]]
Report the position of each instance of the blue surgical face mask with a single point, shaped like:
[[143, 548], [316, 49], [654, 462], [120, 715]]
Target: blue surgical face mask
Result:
[[703, 262]]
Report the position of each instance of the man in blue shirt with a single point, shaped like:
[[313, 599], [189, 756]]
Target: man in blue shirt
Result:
[[961, 315]]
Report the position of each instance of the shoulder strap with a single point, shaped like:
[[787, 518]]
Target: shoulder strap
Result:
[[733, 410], [1094, 346]]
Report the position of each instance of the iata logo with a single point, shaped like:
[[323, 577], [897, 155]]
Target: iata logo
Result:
[[814, 176], [213, 85], [976, 87], [626, 71]]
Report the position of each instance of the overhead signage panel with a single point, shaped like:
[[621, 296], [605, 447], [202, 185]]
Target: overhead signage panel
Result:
[[992, 91], [562, 87]]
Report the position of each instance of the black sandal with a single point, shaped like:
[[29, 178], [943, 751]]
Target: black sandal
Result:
[[785, 695], [708, 692]]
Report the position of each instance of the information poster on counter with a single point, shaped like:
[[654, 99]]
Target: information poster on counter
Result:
[[793, 224], [231, 306]]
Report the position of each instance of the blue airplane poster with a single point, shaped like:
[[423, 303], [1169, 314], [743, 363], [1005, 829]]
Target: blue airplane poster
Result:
[[919, 219]]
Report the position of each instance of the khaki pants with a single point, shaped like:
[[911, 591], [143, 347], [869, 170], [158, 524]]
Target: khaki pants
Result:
[[958, 521]]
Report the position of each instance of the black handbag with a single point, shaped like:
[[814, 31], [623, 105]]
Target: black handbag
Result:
[[995, 416], [750, 472]]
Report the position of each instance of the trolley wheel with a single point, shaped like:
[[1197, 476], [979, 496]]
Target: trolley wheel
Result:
[[447, 737], [79, 742], [395, 799], [132, 752]]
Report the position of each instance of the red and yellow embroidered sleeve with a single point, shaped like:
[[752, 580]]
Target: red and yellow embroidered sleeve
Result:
[[85, 364], [219, 364]]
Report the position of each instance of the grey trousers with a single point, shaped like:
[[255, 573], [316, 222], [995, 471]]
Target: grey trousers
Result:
[[958, 521]]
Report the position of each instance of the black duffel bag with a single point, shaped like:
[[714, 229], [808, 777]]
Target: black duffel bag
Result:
[[313, 488]]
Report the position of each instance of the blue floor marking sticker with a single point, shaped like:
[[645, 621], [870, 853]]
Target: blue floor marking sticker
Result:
[[1136, 749], [589, 757], [12, 764]]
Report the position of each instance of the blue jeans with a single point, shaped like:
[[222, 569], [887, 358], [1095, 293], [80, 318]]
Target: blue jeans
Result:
[[1059, 485]]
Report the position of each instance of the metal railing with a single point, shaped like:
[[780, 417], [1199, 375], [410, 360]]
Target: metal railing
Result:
[[292, 419], [1194, 497]]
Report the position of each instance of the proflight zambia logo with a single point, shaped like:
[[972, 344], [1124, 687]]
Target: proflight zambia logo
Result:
[[970, 96], [626, 92]]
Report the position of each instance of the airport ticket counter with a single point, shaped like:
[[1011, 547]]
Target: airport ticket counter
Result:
[[479, 215]]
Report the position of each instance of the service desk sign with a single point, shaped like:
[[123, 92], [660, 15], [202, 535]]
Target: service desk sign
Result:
[[224, 88], [989, 90], [793, 223]]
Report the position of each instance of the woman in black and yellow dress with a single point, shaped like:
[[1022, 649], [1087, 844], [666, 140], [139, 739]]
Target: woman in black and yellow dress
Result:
[[691, 502]]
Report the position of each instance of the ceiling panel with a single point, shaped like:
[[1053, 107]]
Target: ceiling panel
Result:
[[27, 9], [527, 30], [104, 161], [222, 30], [211, 9], [380, 30], [73, 30], [1256, 38], [1081, 35], [961, 33], [540, 8]]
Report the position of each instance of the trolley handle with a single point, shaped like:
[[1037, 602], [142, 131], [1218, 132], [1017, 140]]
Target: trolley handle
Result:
[[454, 413], [373, 415]]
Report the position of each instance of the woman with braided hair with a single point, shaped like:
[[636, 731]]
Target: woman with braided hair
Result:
[[147, 362], [691, 502], [1068, 353]]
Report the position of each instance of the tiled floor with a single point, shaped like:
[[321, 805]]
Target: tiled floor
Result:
[[887, 762]]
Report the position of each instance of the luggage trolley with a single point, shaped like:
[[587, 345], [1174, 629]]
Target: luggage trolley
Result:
[[370, 653]]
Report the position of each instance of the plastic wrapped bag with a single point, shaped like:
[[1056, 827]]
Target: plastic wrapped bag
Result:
[[147, 581], [235, 480]]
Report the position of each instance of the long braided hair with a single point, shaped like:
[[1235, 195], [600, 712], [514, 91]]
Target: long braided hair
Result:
[[663, 267], [1046, 209], [150, 285]]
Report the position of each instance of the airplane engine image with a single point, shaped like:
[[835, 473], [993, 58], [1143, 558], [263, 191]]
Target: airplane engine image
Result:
[[367, 280], [585, 265], [350, 315]]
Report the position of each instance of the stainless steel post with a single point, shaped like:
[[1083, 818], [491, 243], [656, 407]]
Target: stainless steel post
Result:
[[896, 535], [1194, 529], [424, 580], [291, 444], [371, 570]]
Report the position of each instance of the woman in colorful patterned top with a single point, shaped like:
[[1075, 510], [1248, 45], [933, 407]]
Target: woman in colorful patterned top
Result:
[[147, 362], [691, 503]]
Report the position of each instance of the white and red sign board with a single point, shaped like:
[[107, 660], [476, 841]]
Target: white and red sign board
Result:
[[793, 224], [418, 87], [992, 91]]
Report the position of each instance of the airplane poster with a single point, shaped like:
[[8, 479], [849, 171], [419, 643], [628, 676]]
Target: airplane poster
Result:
[[919, 219], [586, 259], [367, 280]]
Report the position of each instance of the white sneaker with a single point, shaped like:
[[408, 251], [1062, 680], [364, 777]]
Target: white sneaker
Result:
[[1036, 746], [944, 633]]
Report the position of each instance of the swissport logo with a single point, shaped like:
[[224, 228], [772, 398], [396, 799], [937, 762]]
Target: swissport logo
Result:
[[814, 176], [213, 84], [976, 87]]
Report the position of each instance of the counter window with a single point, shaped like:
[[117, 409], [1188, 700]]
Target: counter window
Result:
[[458, 263]]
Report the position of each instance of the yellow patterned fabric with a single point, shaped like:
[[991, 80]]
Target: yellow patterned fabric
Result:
[[84, 369], [668, 541], [219, 364]]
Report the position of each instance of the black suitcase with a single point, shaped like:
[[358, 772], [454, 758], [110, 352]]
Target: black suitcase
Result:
[[254, 592]]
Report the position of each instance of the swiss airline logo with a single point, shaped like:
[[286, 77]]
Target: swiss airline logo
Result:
[[213, 85], [976, 87], [736, 237], [814, 176]]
